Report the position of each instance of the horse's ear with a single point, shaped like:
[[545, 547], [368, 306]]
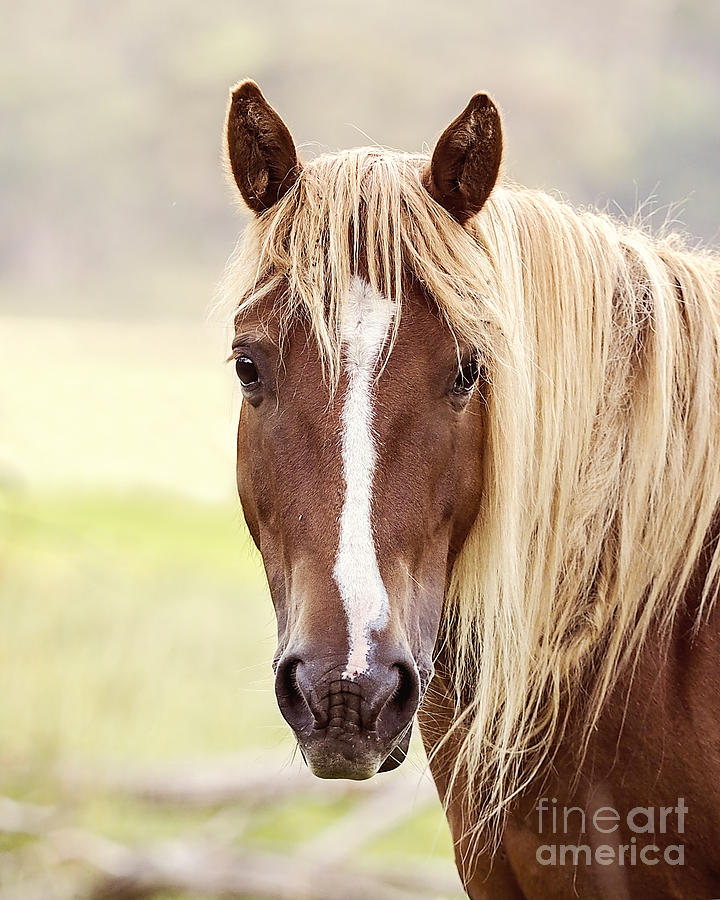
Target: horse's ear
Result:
[[260, 149], [466, 160]]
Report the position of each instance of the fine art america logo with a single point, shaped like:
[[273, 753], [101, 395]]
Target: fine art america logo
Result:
[[604, 829]]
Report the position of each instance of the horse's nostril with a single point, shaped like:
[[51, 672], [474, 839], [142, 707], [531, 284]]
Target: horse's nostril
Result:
[[289, 677], [290, 695], [402, 702], [408, 687]]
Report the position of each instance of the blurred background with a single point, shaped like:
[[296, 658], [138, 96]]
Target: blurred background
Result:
[[139, 737]]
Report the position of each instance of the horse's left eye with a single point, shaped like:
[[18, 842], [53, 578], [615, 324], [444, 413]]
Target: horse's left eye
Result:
[[467, 377], [246, 372]]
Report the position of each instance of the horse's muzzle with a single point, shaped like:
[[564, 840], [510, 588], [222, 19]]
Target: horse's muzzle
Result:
[[348, 727]]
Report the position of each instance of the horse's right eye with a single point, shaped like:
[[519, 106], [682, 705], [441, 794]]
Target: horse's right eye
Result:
[[246, 372], [467, 377]]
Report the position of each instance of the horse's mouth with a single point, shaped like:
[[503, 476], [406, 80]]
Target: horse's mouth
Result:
[[331, 764]]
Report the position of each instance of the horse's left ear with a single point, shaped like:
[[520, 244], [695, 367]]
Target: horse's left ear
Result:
[[466, 160], [260, 149]]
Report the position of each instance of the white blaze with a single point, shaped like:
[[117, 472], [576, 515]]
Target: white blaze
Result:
[[366, 318]]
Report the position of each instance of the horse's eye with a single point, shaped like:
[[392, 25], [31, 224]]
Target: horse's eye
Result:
[[467, 377], [246, 372]]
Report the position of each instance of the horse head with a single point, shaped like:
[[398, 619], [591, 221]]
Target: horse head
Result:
[[357, 466]]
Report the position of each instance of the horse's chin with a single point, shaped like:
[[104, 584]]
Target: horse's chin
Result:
[[326, 762], [333, 765]]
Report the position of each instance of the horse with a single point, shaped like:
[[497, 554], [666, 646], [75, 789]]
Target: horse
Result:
[[479, 453]]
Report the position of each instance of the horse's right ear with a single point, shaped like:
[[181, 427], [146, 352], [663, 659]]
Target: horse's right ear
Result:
[[466, 160], [260, 150]]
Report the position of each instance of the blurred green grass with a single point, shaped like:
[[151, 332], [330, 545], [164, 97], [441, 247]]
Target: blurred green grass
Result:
[[135, 626]]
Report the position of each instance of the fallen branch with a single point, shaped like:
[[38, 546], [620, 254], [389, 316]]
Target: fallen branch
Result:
[[25, 818], [207, 863], [223, 782], [195, 867]]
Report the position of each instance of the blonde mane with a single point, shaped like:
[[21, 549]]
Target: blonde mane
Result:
[[602, 458]]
